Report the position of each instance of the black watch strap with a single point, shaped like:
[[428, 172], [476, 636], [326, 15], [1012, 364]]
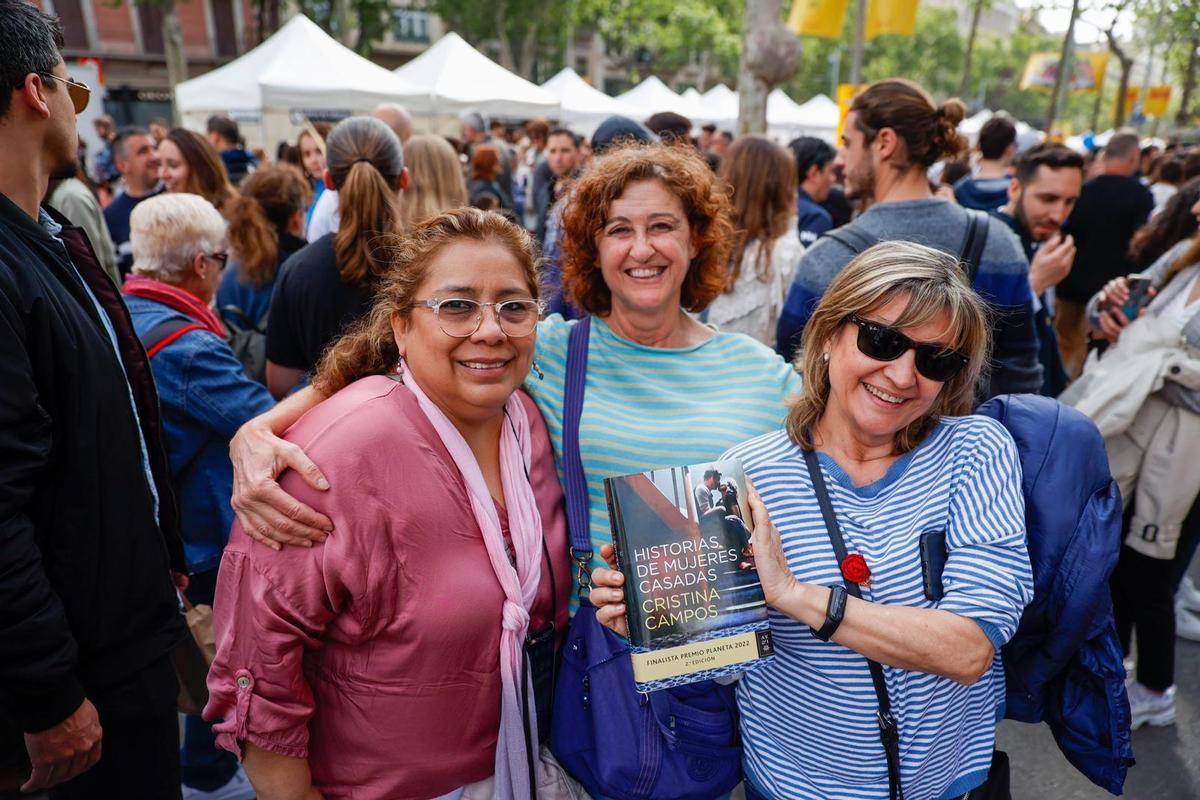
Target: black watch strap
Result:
[[833, 613]]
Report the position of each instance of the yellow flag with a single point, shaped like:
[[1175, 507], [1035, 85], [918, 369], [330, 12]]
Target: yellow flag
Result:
[[822, 18], [1157, 99], [845, 96], [1040, 71], [891, 16], [1131, 96], [1089, 72]]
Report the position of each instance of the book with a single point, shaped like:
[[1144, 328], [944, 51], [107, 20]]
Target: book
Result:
[[693, 599]]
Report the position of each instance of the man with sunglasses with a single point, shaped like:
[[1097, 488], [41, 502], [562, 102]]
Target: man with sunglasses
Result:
[[88, 538], [893, 133]]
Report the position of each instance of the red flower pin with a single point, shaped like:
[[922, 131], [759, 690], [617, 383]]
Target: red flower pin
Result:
[[855, 569]]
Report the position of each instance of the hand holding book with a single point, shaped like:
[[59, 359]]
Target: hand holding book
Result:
[[608, 593], [773, 570]]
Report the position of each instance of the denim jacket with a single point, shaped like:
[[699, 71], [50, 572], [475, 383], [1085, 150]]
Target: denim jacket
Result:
[[205, 398]]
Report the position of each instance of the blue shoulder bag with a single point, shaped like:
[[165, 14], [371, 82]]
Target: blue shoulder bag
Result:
[[677, 744]]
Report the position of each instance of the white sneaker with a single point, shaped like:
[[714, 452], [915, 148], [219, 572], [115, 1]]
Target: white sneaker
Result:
[[1188, 595], [1187, 623], [1150, 708], [239, 788]]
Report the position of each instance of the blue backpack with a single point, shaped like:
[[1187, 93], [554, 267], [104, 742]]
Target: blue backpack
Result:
[[1064, 664]]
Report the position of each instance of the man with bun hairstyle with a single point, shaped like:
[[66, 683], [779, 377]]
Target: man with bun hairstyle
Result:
[[893, 133]]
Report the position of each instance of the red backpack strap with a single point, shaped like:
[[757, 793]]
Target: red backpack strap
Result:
[[166, 332]]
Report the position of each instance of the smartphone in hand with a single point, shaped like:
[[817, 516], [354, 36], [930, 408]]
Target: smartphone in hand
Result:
[[1139, 295]]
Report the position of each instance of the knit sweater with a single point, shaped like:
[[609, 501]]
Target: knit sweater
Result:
[[1002, 281]]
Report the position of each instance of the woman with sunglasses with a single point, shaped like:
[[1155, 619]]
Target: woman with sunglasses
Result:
[[890, 361], [386, 661]]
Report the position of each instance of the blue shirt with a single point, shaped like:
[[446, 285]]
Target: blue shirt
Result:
[[205, 397], [808, 719], [814, 219]]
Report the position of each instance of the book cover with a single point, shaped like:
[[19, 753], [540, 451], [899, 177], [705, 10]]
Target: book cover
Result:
[[693, 599]]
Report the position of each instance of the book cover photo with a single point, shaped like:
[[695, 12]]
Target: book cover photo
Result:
[[693, 599]]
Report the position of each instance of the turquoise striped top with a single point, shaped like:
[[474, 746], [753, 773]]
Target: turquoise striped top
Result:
[[646, 407]]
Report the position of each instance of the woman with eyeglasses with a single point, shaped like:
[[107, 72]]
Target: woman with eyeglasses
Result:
[[179, 251], [890, 361], [386, 661], [329, 284]]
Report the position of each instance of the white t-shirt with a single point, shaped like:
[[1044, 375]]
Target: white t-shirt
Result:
[[1179, 310], [752, 306], [325, 216]]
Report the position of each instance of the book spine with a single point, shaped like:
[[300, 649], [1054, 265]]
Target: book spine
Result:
[[624, 563]]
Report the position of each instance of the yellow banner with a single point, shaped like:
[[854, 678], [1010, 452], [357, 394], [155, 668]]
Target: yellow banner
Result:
[[891, 16], [1157, 99], [1086, 76], [1131, 96], [845, 96], [823, 18]]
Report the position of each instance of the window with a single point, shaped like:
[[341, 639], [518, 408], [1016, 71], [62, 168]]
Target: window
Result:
[[151, 20], [70, 13], [225, 30], [409, 25]]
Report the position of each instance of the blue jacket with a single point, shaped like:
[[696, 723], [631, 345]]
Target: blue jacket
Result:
[[205, 398], [1064, 665]]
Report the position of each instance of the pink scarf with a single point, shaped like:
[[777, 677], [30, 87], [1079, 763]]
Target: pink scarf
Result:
[[520, 585], [173, 297]]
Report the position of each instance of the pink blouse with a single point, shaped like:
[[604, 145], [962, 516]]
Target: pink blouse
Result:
[[375, 654]]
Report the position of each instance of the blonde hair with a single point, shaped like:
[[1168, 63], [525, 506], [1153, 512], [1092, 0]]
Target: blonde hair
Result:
[[167, 230], [435, 179], [934, 282]]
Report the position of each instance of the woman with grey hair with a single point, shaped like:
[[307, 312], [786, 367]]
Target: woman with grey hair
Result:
[[179, 243], [877, 465]]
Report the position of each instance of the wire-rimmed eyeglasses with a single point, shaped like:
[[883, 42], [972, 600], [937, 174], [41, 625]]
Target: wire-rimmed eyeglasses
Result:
[[80, 93], [461, 317]]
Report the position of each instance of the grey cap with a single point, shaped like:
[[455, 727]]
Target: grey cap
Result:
[[473, 119], [618, 130]]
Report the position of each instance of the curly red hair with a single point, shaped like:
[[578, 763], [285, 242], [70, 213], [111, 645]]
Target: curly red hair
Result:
[[686, 175]]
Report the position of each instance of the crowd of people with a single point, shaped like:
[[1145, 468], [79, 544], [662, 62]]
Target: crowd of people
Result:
[[337, 396]]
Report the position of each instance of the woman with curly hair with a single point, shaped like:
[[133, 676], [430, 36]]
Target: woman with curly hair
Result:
[[1177, 221]]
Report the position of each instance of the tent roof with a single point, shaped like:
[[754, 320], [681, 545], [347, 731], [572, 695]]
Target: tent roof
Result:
[[299, 66], [652, 96], [820, 112], [720, 104], [582, 102], [454, 76]]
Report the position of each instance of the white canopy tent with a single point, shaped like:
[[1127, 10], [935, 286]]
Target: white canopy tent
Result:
[[584, 107], [298, 72], [652, 96], [452, 76], [817, 117], [720, 105]]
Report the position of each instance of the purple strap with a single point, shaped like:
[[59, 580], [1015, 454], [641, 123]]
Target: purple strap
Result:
[[575, 484]]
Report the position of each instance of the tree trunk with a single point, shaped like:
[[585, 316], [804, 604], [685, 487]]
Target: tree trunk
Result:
[[340, 20], [752, 92], [1062, 80], [964, 85], [529, 46], [173, 52], [1119, 109], [507, 58], [1183, 115]]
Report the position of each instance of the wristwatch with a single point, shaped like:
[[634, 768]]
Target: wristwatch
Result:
[[833, 613]]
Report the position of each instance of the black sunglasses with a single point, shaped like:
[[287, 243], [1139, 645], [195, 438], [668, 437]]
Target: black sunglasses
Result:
[[887, 344]]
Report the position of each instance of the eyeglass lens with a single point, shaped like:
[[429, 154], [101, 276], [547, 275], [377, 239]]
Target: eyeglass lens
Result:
[[461, 317]]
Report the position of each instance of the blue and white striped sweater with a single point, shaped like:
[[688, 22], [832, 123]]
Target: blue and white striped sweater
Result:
[[1002, 280], [808, 720]]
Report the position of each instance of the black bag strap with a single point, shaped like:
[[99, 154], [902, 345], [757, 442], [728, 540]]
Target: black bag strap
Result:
[[574, 483], [974, 239], [166, 332], [889, 733]]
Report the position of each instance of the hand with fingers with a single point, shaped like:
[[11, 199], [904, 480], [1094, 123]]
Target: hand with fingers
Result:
[[1052, 262], [68, 749], [1112, 319], [608, 593], [773, 571], [269, 514]]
